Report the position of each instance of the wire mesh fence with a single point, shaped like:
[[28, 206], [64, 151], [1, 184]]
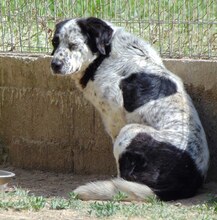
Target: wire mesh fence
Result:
[[186, 28]]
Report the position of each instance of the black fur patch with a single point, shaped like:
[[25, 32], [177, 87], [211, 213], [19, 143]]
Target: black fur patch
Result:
[[140, 88], [55, 40], [90, 71], [170, 172], [99, 36]]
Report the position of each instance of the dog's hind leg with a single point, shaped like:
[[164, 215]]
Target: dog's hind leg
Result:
[[125, 137], [142, 157]]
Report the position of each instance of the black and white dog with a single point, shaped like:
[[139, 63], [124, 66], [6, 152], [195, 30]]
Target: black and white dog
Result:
[[159, 143]]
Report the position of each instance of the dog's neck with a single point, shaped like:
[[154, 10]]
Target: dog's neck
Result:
[[90, 71]]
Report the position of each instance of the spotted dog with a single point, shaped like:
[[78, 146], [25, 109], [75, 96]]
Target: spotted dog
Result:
[[159, 143]]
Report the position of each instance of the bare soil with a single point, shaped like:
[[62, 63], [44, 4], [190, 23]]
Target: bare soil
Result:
[[50, 184]]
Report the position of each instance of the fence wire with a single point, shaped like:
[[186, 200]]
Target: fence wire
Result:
[[186, 28]]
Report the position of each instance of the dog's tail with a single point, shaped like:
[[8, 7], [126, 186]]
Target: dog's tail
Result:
[[106, 190]]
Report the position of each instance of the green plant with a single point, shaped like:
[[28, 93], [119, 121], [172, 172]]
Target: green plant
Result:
[[21, 200], [37, 202], [103, 209], [212, 202], [119, 197], [59, 203], [73, 196]]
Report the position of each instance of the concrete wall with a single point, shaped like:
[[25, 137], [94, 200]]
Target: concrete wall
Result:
[[46, 124]]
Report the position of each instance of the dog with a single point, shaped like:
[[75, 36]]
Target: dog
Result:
[[159, 143]]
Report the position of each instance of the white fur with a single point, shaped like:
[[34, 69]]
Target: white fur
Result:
[[107, 190]]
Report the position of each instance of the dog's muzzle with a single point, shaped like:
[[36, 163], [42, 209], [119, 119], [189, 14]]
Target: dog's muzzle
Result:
[[56, 66]]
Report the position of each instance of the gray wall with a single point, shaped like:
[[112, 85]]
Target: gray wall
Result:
[[46, 124]]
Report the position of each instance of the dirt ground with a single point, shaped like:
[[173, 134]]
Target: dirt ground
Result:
[[50, 184]]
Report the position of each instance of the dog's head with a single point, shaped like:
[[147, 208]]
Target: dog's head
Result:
[[77, 42]]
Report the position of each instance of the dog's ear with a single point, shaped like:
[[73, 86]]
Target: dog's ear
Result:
[[99, 34]]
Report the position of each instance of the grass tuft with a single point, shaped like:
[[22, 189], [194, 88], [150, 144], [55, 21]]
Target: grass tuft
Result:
[[120, 196], [21, 200], [73, 196], [59, 203], [212, 202], [103, 209]]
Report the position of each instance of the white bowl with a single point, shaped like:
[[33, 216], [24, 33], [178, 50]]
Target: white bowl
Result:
[[5, 177]]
